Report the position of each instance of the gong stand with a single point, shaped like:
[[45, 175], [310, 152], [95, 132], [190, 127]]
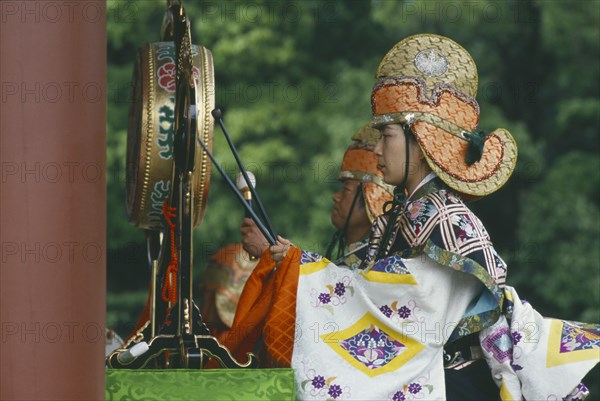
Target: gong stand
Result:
[[175, 335]]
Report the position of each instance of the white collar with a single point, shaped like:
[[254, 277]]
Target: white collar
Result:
[[424, 181]]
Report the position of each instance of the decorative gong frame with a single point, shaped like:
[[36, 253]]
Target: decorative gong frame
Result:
[[168, 179]]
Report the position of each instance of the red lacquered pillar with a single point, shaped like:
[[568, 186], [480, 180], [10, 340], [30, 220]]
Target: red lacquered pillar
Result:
[[53, 199]]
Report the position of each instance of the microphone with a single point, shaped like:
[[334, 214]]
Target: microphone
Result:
[[244, 188]]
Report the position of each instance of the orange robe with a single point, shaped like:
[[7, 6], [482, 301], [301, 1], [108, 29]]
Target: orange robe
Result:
[[267, 310]]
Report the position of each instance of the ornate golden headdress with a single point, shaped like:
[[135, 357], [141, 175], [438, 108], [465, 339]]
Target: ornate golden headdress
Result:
[[429, 82]]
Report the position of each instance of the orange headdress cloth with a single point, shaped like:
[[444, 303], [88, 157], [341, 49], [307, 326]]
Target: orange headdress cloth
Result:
[[429, 82], [360, 163]]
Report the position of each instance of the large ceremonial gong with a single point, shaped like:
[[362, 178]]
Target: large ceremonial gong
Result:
[[151, 128]]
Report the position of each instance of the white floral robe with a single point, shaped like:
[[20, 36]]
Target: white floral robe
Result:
[[379, 333], [538, 358], [376, 334]]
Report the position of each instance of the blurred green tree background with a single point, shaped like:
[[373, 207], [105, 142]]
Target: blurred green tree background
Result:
[[293, 79]]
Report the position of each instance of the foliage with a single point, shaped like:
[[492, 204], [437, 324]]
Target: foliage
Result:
[[560, 242]]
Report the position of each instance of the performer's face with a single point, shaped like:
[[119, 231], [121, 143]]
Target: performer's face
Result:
[[391, 152], [342, 202]]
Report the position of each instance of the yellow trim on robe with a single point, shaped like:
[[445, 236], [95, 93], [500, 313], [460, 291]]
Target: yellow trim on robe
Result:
[[555, 357], [313, 267], [508, 296], [504, 393], [388, 278]]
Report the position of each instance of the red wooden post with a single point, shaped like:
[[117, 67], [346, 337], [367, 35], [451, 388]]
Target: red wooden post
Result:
[[53, 199]]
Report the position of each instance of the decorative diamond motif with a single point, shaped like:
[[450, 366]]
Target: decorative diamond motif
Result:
[[579, 336], [499, 344], [372, 346], [572, 342]]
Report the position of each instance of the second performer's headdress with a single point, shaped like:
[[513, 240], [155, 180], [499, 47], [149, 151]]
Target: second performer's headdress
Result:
[[360, 163]]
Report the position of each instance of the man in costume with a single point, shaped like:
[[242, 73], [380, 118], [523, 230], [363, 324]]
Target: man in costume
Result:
[[359, 201], [355, 206], [431, 274], [467, 374]]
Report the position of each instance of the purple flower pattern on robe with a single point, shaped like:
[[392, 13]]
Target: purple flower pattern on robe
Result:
[[334, 391], [398, 396], [325, 298], [323, 387], [403, 312], [334, 294], [386, 310], [414, 390], [318, 381]]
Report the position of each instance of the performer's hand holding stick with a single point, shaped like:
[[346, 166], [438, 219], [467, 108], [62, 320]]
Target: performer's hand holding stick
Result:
[[237, 193]]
